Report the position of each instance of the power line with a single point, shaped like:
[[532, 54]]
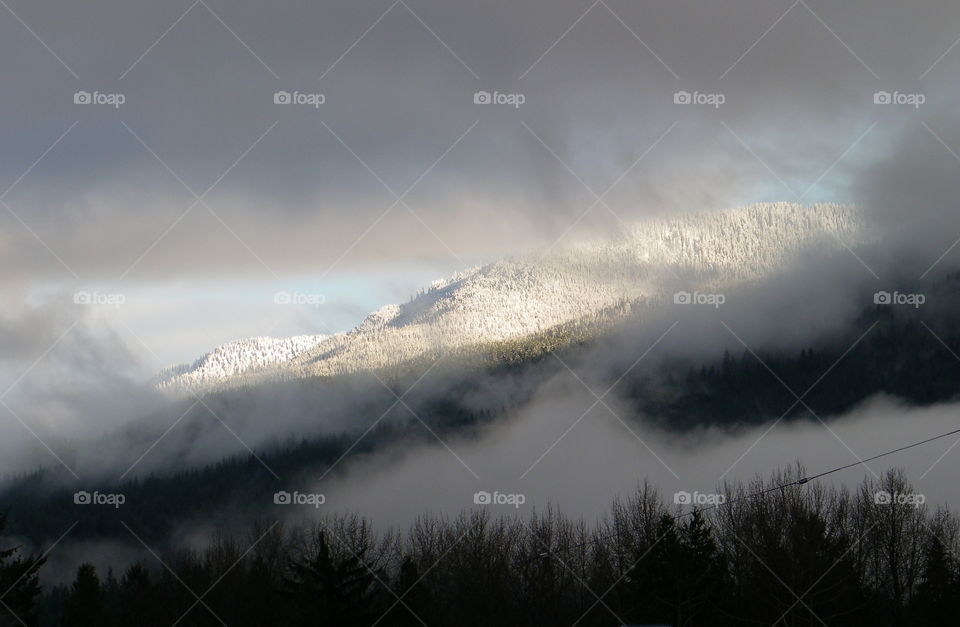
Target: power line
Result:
[[796, 482], [890, 452]]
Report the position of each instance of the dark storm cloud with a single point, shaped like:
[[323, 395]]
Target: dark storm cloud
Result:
[[798, 95]]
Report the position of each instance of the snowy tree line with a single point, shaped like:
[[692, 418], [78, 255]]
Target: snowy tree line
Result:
[[518, 297]]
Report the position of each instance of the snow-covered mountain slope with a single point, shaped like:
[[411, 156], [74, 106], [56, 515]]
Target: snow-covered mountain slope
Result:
[[236, 358], [517, 297]]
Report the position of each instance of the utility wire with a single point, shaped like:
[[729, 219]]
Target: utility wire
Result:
[[800, 481], [890, 452]]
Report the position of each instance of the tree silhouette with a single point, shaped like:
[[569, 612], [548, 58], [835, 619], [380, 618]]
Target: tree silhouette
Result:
[[412, 591], [139, 600], [329, 590], [682, 578], [937, 595], [19, 587], [85, 607]]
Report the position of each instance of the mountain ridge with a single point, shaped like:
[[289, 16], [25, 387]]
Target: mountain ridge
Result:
[[521, 296]]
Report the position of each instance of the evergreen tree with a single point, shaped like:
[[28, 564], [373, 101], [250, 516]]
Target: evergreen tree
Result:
[[705, 573], [937, 595], [328, 590], [139, 599], [413, 592], [19, 586], [656, 576], [86, 606], [682, 581]]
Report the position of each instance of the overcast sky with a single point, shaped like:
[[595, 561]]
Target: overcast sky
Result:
[[199, 197], [181, 162]]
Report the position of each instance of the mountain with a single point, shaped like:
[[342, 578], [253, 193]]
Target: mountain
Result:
[[236, 358], [641, 266], [304, 429]]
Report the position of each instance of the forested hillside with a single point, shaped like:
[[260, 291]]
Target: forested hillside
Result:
[[896, 355], [514, 298]]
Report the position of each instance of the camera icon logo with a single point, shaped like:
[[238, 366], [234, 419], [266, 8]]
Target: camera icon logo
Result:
[[481, 97], [882, 97], [882, 498], [282, 498], [82, 498], [82, 298], [882, 298], [682, 298], [281, 97], [282, 298], [682, 498], [482, 498], [682, 97], [82, 98]]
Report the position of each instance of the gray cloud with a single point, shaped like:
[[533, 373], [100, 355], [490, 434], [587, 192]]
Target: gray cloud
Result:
[[795, 104], [600, 459], [599, 98]]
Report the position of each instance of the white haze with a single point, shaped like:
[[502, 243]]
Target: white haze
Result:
[[599, 459], [596, 462], [91, 383]]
